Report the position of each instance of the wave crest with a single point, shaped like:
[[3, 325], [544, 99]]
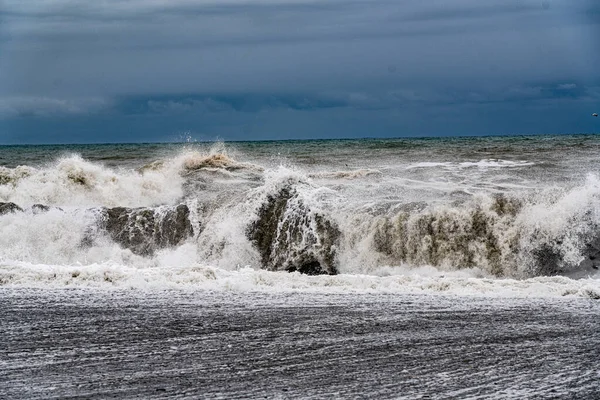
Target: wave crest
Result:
[[197, 161], [73, 181], [355, 174]]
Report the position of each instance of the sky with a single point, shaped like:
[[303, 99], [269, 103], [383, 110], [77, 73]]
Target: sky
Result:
[[145, 71]]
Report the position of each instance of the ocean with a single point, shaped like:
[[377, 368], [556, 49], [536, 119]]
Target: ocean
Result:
[[381, 268]]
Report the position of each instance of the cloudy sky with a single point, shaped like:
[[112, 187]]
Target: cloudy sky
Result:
[[157, 70]]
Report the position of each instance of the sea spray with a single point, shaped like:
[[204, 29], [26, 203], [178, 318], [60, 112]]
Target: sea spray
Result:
[[73, 181], [208, 208]]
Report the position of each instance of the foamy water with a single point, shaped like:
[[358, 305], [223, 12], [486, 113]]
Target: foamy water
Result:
[[398, 217], [390, 280]]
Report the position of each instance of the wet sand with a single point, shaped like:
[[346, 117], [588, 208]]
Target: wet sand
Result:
[[88, 343]]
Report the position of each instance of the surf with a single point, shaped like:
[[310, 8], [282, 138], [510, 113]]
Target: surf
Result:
[[220, 209]]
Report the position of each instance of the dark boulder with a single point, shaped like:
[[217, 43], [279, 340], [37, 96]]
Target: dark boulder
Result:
[[39, 208], [6, 208], [290, 236], [145, 230], [142, 230], [551, 252], [547, 260]]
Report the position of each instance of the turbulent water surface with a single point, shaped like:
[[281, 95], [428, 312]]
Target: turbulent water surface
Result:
[[478, 214], [501, 218]]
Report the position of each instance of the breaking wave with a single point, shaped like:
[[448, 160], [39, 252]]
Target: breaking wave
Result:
[[488, 163], [198, 277], [175, 222], [73, 181], [359, 173]]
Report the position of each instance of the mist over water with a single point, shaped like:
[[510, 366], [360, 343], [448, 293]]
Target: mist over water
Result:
[[514, 216]]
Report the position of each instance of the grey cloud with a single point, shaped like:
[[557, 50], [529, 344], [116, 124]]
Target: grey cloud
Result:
[[189, 24], [187, 105], [567, 86], [420, 96], [246, 103], [369, 100], [45, 106], [228, 104]]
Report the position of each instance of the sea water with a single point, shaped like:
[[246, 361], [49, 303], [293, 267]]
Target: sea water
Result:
[[515, 216]]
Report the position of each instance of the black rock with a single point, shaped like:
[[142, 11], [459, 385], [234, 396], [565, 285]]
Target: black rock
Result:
[[144, 230], [548, 260], [6, 208], [39, 208], [289, 236]]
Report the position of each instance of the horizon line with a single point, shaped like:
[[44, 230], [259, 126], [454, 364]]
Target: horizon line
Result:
[[305, 139]]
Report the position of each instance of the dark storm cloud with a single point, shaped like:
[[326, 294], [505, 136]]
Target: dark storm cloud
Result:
[[240, 103], [384, 100], [377, 63]]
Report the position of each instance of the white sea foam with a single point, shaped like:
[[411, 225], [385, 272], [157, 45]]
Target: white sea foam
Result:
[[470, 242], [562, 222], [425, 280], [486, 163], [73, 181], [353, 174]]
